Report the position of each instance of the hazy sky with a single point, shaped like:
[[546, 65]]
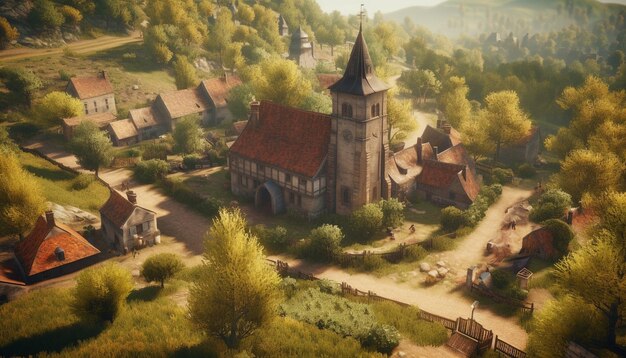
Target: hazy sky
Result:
[[352, 6]]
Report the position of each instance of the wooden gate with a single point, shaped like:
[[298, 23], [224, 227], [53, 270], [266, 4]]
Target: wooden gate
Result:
[[470, 337]]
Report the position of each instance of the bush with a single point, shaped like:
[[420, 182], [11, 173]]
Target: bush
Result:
[[517, 293], [289, 286], [155, 151], [562, 234], [407, 321], [452, 218], [82, 181], [71, 15], [325, 242], [45, 15], [150, 171], [393, 212], [442, 243], [64, 75], [101, 291], [501, 279], [371, 263], [501, 176], [182, 193], [191, 161], [526, 171], [365, 222], [328, 286], [382, 338], [414, 253], [161, 267], [274, 238], [551, 205]]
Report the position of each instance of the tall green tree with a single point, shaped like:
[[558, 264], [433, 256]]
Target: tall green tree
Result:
[[8, 33], [91, 146], [279, 80], [504, 122], [420, 83], [475, 139], [587, 172], [237, 291], [400, 121], [161, 267], [223, 31], [55, 106], [45, 15], [188, 136], [454, 103], [21, 82], [184, 73], [21, 200]]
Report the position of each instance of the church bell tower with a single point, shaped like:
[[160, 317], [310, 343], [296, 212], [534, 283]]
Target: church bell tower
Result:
[[358, 143]]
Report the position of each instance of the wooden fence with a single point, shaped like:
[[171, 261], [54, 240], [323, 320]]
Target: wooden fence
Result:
[[501, 346], [526, 307], [476, 331], [430, 317]]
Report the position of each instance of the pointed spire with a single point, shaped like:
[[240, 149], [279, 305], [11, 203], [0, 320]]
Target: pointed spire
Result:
[[359, 77]]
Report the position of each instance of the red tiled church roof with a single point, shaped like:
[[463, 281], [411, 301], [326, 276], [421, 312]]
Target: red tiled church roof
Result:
[[117, 209], [89, 87], [36, 251], [285, 137]]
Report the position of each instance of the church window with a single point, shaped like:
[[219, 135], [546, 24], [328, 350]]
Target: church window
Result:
[[346, 110], [345, 196], [377, 109]]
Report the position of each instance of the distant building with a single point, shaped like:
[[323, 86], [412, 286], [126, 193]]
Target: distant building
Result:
[[301, 49], [52, 249], [524, 150], [96, 93], [283, 29], [123, 132], [172, 106], [126, 225], [146, 122], [217, 91], [101, 120]]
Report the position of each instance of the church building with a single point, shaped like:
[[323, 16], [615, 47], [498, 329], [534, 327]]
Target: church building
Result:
[[289, 159]]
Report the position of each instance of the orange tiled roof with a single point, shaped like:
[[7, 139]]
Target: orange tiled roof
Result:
[[93, 86], [184, 102], [36, 251], [218, 88], [100, 119], [122, 129], [143, 117], [286, 137], [117, 209], [438, 174]]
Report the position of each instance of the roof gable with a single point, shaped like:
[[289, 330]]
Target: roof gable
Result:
[[122, 129], [143, 117], [92, 86], [286, 137], [184, 102], [117, 209], [219, 88]]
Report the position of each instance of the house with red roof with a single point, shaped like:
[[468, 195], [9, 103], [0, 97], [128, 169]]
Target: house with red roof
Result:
[[126, 225], [217, 91], [287, 159], [95, 92], [52, 249]]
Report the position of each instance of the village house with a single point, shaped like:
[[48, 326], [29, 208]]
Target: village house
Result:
[[123, 132], [301, 49], [216, 90], [524, 150], [126, 225], [101, 120], [95, 92], [290, 159], [146, 123], [52, 249]]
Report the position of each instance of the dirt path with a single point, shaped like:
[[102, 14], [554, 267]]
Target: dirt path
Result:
[[55, 152], [80, 47]]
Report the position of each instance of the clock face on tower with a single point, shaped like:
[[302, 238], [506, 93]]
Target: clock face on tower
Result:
[[347, 135]]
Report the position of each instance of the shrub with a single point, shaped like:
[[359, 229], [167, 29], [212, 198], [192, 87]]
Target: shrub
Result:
[[393, 212], [273, 238], [150, 171], [129, 56], [414, 253], [82, 181], [501, 176], [371, 263], [64, 75], [551, 205], [182, 193], [327, 286], [515, 292], [289, 286], [71, 14], [407, 321], [161, 267], [191, 161], [365, 222], [562, 234], [325, 242], [382, 338], [45, 15], [452, 218], [100, 292], [8, 33], [501, 279], [526, 171], [155, 151], [22, 131]]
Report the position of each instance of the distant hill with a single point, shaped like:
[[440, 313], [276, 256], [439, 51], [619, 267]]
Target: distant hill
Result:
[[456, 17]]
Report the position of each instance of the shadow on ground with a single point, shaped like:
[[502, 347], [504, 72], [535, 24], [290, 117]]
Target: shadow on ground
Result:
[[52, 341]]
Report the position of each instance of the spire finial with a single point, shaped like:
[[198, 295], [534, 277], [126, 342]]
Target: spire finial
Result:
[[361, 14]]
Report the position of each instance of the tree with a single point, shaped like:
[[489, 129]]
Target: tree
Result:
[[318, 102], [325, 242], [55, 106], [237, 291], [420, 83], [161, 267], [454, 103], [400, 121], [393, 212], [223, 31], [597, 274], [365, 222], [612, 206], [21, 82], [503, 120], [71, 15], [101, 291], [8, 33], [233, 58], [184, 73], [562, 234], [91, 146], [21, 200], [475, 139], [188, 136], [45, 15], [149, 171], [239, 101], [551, 205], [584, 171], [280, 81]]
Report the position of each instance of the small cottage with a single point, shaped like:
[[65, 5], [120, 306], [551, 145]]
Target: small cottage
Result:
[[123, 132], [172, 106], [101, 120], [96, 93], [146, 122], [52, 249], [216, 91], [126, 225]]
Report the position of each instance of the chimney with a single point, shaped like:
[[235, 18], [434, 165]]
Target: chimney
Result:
[[132, 197], [255, 108], [436, 151], [59, 253], [50, 218], [446, 128], [419, 149]]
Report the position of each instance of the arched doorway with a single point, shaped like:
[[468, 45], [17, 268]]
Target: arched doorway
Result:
[[269, 198]]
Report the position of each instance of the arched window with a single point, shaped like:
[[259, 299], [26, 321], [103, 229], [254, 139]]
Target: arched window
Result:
[[377, 109], [373, 114], [346, 110]]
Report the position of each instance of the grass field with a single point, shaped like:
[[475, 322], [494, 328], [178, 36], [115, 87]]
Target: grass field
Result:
[[62, 187]]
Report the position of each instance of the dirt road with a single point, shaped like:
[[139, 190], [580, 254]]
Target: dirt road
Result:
[[79, 47]]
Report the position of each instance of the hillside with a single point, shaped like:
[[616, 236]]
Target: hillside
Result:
[[456, 17]]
